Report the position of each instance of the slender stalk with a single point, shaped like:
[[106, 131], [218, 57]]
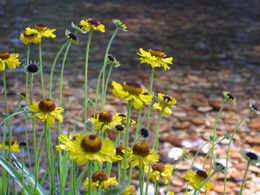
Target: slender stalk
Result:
[[53, 66], [156, 188], [119, 172], [86, 75], [155, 142], [105, 90], [244, 179], [126, 138], [40, 58], [5, 94], [138, 123], [150, 90], [229, 144], [89, 177], [104, 65], [22, 157], [141, 182], [74, 177]]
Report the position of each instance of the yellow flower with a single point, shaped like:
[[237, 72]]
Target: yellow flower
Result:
[[8, 59], [112, 61], [65, 140], [171, 193], [105, 121], [71, 36], [46, 111], [14, 146], [155, 57], [119, 154], [131, 90], [41, 30], [100, 180], [159, 170], [92, 24], [229, 96], [88, 147], [167, 100], [130, 190], [120, 24], [32, 38], [142, 155], [196, 178]]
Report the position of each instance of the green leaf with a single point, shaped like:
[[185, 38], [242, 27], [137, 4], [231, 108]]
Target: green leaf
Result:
[[28, 175], [18, 178]]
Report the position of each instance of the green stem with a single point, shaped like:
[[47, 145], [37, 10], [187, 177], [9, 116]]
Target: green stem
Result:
[[141, 182], [40, 58], [155, 142], [89, 177], [5, 94], [126, 138], [214, 134], [244, 179], [11, 116], [119, 172], [104, 65], [156, 188], [138, 123], [53, 66], [105, 90], [74, 177], [22, 171], [229, 144], [86, 75], [198, 153]]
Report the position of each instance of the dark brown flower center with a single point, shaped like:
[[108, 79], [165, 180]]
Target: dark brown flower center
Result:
[[93, 22], [73, 36], [230, 96], [4, 55], [32, 68], [141, 149], [202, 174], [29, 36], [255, 107], [252, 155], [47, 105], [157, 52], [111, 58], [99, 176], [91, 143], [7, 142], [105, 117], [97, 113], [122, 115], [119, 150], [40, 27], [132, 87], [158, 167], [119, 128], [166, 99]]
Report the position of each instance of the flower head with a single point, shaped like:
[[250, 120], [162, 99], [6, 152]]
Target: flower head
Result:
[[14, 146], [32, 67], [21, 95], [254, 108], [155, 57], [142, 155], [30, 38], [46, 111], [220, 168], [130, 190], [66, 141], [100, 180], [131, 90], [8, 59], [119, 154], [112, 61], [251, 156], [41, 30], [79, 28], [92, 24], [22, 144], [165, 101], [88, 147], [229, 96], [144, 132], [105, 120], [120, 25], [71, 36], [196, 178], [159, 170]]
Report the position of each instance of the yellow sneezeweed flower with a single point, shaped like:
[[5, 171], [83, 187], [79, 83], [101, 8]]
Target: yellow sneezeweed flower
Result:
[[124, 119], [155, 57], [171, 193], [89, 147], [142, 155], [130, 190], [159, 170], [8, 59], [32, 38], [14, 146], [100, 180], [196, 178], [46, 111], [120, 24], [92, 24], [71, 36], [105, 120], [131, 90], [119, 154], [41, 30], [65, 140], [164, 100], [229, 96], [112, 61]]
